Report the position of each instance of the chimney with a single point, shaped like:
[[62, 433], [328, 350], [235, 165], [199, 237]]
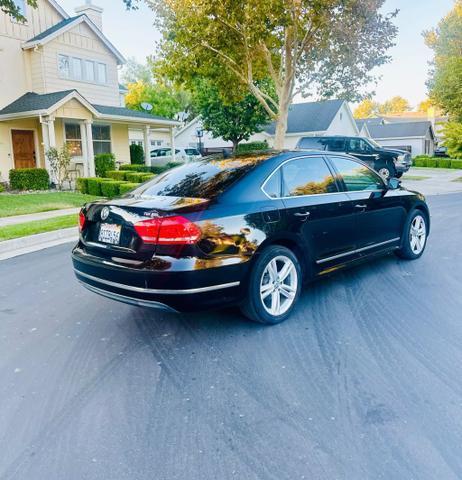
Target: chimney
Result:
[[94, 13]]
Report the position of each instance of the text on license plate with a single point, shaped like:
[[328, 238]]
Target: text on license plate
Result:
[[109, 233]]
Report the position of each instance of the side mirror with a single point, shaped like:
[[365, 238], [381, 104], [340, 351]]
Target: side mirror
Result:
[[393, 184]]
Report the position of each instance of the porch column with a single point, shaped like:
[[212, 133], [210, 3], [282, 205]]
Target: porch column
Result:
[[147, 145], [89, 165], [172, 143], [49, 139]]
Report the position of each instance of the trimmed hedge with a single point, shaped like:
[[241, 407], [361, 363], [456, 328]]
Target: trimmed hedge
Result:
[[111, 189], [103, 163], [29, 179], [432, 163], [252, 147], [82, 185], [444, 163], [116, 175], [136, 177], [94, 186], [127, 187], [147, 177], [2, 188], [148, 169], [456, 164]]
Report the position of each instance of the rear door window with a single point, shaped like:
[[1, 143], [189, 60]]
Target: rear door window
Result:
[[191, 151], [336, 145], [312, 143], [307, 176]]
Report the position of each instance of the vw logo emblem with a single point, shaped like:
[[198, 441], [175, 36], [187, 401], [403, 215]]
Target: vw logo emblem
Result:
[[104, 213]]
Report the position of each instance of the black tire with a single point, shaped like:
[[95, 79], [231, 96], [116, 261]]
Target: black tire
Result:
[[399, 175], [407, 251], [253, 306]]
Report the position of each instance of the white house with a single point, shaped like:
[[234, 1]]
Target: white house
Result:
[[330, 117], [59, 86]]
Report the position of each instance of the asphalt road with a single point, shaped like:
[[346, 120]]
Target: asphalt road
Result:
[[364, 382]]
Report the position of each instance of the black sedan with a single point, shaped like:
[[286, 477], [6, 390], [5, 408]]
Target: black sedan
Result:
[[246, 231]]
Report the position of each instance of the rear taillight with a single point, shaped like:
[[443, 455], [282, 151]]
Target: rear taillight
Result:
[[82, 221], [168, 231]]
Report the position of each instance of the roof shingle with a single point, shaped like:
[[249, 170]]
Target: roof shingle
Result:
[[53, 29], [400, 130], [309, 117], [31, 102]]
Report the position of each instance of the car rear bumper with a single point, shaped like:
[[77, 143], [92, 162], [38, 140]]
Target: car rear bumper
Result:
[[174, 290]]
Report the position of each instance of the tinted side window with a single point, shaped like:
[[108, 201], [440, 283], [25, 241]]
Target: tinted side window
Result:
[[307, 176], [272, 186], [357, 145], [336, 145], [311, 143], [356, 176]]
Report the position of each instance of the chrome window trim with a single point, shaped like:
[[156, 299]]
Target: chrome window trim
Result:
[[358, 250], [156, 290], [262, 186]]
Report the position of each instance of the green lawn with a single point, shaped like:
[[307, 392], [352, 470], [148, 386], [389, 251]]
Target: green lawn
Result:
[[22, 204], [40, 226], [415, 178]]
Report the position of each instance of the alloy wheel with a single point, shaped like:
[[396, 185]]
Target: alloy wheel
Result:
[[278, 285], [384, 173], [418, 234]]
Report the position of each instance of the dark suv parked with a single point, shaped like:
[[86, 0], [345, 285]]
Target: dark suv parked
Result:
[[389, 163]]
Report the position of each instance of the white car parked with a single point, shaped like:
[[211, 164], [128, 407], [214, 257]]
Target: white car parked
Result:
[[162, 156]]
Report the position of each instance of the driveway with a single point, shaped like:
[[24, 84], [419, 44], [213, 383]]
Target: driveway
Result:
[[364, 382], [433, 181]]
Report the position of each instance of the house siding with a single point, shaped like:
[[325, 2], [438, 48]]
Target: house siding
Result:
[[79, 42], [17, 78]]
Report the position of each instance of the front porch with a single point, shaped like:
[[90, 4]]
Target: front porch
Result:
[[66, 118]]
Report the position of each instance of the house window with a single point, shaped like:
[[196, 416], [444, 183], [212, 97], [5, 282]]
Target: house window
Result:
[[74, 68], [73, 135], [101, 139], [101, 76]]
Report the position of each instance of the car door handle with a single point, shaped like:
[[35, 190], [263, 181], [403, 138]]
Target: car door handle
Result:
[[361, 206], [304, 215]]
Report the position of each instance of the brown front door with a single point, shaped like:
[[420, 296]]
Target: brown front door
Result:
[[23, 148]]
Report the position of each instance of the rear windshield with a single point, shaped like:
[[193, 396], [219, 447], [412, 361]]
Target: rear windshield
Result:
[[191, 151], [312, 143], [202, 179]]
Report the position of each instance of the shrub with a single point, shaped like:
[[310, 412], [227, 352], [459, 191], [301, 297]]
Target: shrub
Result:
[[111, 189], [252, 147], [29, 179], [2, 188], [135, 168], [444, 163], [452, 133], [146, 177], [432, 163], [103, 163], [456, 164], [420, 162], [127, 187], [94, 186], [136, 154], [82, 185], [135, 177], [116, 174]]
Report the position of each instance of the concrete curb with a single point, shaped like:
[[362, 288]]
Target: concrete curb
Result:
[[34, 243]]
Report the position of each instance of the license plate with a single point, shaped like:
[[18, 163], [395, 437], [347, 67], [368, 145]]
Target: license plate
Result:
[[109, 233]]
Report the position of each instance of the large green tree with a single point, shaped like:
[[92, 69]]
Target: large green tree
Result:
[[322, 48], [235, 121], [445, 83]]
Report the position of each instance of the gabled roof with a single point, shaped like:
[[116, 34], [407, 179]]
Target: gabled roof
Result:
[[58, 8], [360, 122], [65, 25], [309, 117], [32, 104], [400, 130]]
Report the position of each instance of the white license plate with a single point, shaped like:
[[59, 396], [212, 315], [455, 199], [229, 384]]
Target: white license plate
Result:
[[109, 233]]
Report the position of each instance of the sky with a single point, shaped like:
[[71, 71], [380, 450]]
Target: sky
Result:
[[134, 35]]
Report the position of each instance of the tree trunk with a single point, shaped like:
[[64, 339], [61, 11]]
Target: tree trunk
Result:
[[281, 123], [235, 145]]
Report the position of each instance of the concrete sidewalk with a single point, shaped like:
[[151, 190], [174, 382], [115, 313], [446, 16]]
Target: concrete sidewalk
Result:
[[439, 180], [16, 220]]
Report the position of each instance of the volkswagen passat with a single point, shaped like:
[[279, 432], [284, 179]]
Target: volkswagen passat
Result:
[[245, 231]]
